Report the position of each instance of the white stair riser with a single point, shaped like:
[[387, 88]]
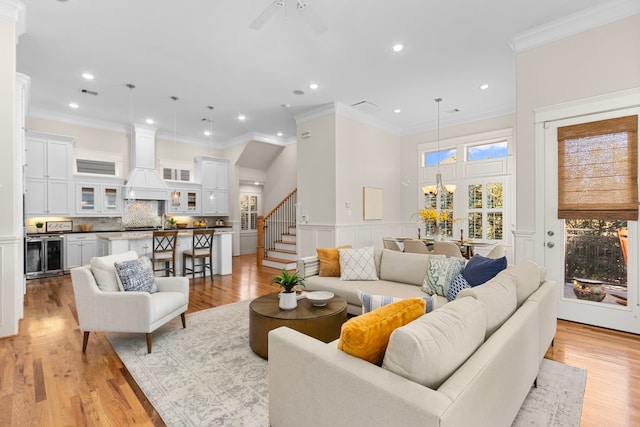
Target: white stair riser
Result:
[[282, 255], [285, 246], [288, 238]]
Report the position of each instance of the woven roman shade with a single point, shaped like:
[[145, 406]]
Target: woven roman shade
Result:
[[598, 170]]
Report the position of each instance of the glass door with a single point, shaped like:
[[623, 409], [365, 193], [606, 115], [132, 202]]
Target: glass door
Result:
[[594, 260]]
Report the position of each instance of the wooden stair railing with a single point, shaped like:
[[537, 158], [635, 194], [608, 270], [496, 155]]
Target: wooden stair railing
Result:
[[273, 225]]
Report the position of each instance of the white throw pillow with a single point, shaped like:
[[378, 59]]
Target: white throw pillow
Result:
[[104, 270], [358, 264]]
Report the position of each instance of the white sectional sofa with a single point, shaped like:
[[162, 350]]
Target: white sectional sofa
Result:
[[401, 275], [469, 363]]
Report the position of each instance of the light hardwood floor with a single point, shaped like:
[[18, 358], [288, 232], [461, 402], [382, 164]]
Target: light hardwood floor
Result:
[[45, 380]]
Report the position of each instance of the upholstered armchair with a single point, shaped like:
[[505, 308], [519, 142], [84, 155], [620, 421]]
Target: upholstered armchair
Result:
[[103, 305]]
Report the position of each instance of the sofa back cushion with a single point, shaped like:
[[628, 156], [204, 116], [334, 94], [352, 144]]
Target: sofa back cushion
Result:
[[527, 277], [403, 267], [499, 298], [367, 336], [431, 348], [104, 270]]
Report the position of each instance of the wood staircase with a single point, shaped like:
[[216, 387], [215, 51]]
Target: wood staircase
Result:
[[277, 246]]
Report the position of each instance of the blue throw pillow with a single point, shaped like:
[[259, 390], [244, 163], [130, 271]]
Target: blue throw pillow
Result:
[[371, 302], [480, 269], [136, 275], [459, 283]]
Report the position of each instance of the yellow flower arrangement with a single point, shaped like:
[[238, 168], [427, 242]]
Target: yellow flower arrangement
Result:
[[432, 215]]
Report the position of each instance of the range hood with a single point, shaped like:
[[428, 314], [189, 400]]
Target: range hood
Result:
[[144, 182]]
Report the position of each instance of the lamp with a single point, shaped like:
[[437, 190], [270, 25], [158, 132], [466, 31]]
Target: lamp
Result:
[[175, 194], [433, 190]]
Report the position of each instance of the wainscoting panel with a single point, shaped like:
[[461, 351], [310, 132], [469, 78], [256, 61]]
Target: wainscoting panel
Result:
[[525, 247]]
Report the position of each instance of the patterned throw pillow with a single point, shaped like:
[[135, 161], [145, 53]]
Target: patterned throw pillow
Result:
[[371, 302], [136, 275], [459, 283], [358, 264], [440, 274]]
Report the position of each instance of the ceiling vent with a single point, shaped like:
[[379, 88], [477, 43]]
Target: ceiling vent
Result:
[[89, 92], [366, 106]]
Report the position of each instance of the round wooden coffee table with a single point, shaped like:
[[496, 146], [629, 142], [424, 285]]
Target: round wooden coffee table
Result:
[[322, 323]]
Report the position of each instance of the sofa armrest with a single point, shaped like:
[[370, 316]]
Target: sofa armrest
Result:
[[308, 266], [311, 380]]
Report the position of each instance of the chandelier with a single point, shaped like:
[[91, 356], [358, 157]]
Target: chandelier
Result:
[[439, 187]]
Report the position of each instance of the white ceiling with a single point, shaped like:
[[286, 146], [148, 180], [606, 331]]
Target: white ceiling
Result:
[[204, 52]]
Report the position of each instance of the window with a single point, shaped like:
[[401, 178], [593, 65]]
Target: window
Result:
[[249, 212], [491, 150], [95, 167], [486, 211], [176, 174], [442, 157]]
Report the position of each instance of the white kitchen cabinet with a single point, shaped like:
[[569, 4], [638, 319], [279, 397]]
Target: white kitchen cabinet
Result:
[[47, 196], [79, 249], [185, 201], [215, 203], [98, 199], [143, 247], [213, 174]]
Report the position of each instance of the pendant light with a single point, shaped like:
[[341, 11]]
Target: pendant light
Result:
[[433, 190], [131, 88], [175, 194], [210, 107]]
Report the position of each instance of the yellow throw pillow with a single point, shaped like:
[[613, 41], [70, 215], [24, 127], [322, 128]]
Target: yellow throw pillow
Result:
[[329, 261], [367, 336]]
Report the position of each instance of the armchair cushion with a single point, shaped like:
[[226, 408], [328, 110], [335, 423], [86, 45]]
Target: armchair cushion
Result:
[[104, 270], [136, 275]]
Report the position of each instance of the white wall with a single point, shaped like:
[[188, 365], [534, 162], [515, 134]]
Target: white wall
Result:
[[595, 62], [281, 177]]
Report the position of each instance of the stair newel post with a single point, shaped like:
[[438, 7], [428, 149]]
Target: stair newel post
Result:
[[260, 252]]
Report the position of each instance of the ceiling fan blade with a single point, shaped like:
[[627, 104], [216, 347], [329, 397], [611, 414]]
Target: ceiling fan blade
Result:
[[312, 18], [266, 14]]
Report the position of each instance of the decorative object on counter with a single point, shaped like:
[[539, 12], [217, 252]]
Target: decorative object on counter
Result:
[[181, 225], [85, 227], [200, 224], [288, 282], [219, 223], [172, 222], [39, 226], [59, 226]]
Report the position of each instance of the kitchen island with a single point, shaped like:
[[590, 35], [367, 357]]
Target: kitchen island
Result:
[[110, 243]]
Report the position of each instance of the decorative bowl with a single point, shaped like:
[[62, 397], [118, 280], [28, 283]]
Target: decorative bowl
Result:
[[181, 225], [85, 227], [319, 298]]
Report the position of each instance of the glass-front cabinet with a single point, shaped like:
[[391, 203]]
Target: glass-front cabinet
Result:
[[98, 199], [184, 201]]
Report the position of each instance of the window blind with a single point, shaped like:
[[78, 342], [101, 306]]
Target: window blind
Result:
[[598, 170]]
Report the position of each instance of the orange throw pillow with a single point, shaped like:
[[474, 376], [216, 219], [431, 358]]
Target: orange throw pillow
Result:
[[366, 336], [329, 261]]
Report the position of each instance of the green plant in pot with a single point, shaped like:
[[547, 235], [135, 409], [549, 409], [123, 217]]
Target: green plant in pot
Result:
[[172, 222], [288, 281], [39, 225]]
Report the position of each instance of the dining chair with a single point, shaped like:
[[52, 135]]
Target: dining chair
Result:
[[164, 252], [449, 249], [202, 249], [391, 243], [415, 246]]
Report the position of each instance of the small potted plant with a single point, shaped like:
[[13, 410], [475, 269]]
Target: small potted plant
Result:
[[172, 222], [39, 225], [288, 282]]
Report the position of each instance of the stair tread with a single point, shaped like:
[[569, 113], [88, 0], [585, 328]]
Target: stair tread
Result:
[[285, 242], [289, 234], [280, 260], [283, 251]]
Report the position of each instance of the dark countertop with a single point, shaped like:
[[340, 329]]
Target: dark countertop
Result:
[[123, 230]]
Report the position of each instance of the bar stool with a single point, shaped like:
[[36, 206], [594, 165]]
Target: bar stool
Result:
[[164, 251], [202, 248]]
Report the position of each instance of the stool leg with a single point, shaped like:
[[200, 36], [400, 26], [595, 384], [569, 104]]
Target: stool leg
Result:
[[184, 265]]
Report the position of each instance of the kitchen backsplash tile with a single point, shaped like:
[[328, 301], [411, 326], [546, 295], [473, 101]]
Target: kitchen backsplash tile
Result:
[[141, 213]]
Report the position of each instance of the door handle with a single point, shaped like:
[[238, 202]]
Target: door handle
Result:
[[550, 244]]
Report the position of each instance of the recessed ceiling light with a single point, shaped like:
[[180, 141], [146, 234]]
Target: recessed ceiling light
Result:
[[207, 133], [397, 110], [242, 117], [313, 86], [256, 183], [484, 86], [88, 76], [398, 47], [73, 105], [279, 134], [149, 121]]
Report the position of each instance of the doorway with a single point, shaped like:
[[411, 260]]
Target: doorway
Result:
[[593, 259]]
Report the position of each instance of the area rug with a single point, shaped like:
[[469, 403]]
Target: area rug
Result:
[[206, 375]]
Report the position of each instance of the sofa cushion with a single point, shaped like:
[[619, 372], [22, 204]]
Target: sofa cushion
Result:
[[329, 259], [431, 348], [403, 267], [440, 273], [480, 269], [459, 283], [371, 302], [136, 275], [358, 264], [104, 271], [527, 278], [499, 298], [366, 336]]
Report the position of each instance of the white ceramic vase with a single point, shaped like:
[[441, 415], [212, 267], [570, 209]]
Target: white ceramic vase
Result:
[[437, 235], [288, 300]]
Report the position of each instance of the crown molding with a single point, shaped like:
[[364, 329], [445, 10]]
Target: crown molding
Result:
[[15, 11], [344, 110], [40, 113], [573, 24]]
